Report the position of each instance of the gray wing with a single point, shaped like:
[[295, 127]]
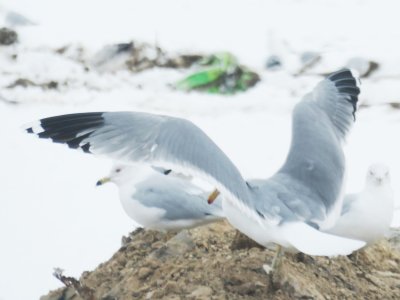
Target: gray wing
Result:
[[141, 137], [320, 123], [309, 183], [282, 199], [348, 203], [178, 204]]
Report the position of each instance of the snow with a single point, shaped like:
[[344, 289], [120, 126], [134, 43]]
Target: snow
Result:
[[51, 213]]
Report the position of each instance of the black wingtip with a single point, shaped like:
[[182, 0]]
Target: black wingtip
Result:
[[260, 214], [86, 148], [71, 129], [341, 74], [347, 84]]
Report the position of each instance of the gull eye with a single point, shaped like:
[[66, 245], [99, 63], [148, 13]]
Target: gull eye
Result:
[[117, 170]]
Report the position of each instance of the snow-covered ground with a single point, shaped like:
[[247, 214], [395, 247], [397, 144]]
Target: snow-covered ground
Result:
[[51, 213]]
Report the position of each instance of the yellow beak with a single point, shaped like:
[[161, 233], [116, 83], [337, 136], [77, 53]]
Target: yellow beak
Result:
[[103, 181]]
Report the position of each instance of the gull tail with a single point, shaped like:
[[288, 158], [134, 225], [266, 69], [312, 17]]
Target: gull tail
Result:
[[314, 242]]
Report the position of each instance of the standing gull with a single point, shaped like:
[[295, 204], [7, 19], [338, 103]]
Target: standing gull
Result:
[[367, 216], [161, 200], [287, 209]]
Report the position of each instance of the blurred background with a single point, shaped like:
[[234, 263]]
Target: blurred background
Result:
[[234, 68]]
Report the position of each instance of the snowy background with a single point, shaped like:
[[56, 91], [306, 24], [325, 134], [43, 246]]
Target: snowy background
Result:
[[51, 213]]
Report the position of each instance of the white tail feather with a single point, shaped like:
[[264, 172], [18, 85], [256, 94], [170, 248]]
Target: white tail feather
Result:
[[314, 242]]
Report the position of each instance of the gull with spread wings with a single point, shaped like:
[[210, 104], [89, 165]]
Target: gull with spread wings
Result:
[[290, 208]]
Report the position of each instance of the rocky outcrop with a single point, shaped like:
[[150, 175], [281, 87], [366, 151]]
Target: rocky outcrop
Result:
[[203, 263]]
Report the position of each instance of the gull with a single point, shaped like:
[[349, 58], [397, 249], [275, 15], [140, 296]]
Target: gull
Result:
[[367, 215], [289, 209], [160, 199]]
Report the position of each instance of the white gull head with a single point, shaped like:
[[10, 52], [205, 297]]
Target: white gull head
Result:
[[377, 175], [121, 174]]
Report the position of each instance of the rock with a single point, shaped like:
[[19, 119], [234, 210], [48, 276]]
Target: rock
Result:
[[273, 62], [363, 66], [241, 242], [172, 297], [137, 57], [199, 264], [308, 60], [177, 246], [201, 292], [171, 287], [395, 105], [22, 82], [308, 57], [144, 273], [8, 36], [61, 294], [112, 57], [25, 83]]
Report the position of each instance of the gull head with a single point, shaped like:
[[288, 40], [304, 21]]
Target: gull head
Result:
[[378, 174], [119, 174]]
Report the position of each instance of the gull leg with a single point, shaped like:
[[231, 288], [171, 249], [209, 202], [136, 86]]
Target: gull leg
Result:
[[276, 261], [278, 258], [213, 196]]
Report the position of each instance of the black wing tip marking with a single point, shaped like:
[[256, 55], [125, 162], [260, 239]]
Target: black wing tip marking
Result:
[[260, 214], [313, 225], [86, 148], [347, 84], [68, 129]]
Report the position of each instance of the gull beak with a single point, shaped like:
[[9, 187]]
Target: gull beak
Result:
[[103, 181], [213, 196]]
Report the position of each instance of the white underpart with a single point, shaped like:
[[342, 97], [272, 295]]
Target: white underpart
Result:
[[152, 217], [370, 214], [247, 224], [334, 215], [143, 215], [314, 242], [291, 235], [369, 217]]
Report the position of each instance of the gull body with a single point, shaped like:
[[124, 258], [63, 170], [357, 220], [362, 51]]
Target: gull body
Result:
[[290, 208], [367, 215], [162, 200]]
